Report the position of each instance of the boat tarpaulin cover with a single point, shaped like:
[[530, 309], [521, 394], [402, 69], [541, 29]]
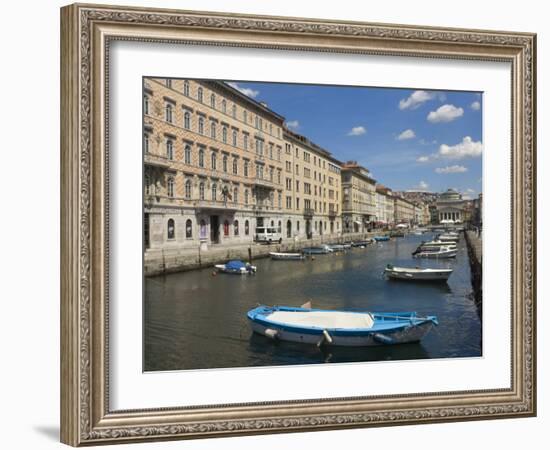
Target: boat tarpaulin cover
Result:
[[235, 265]]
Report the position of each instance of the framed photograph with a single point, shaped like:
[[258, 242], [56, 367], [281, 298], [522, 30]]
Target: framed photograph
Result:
[[281, 224]]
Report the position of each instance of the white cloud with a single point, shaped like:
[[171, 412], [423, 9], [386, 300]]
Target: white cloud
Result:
[[445, 113], [246, 91], [407, 134], [451, 169], [294, 124], [421, 186], [357, 131], [475, 106], [416, 99], [466, 148], [423, 159]]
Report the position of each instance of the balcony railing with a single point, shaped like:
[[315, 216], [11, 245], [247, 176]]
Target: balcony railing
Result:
[[262, 182], [215, 204], [332, 213], [157, 160], [309, 212]]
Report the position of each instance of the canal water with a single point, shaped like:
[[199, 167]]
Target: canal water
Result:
[[194, 320]]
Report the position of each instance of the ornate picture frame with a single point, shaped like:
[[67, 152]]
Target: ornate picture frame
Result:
[[86, 34]]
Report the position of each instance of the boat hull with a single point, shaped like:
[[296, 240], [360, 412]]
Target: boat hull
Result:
[[286, 256], [418, 276], [436, 255]]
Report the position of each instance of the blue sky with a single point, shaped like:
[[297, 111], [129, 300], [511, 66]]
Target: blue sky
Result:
[[407, 138]]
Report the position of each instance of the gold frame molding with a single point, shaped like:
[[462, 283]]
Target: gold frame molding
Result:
[[86, 31]]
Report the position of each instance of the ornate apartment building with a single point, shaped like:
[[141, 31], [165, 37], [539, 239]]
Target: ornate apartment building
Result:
[[384, 206], [404, 211], [218, 164], [359, 198]]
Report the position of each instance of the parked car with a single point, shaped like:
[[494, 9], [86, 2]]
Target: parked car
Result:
[[268, 235]]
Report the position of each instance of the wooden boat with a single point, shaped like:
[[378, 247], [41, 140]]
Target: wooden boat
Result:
[[417, 273], [435, 252], [286, 256], [381, 238], [320, 250], [236, 267], [339, 328]]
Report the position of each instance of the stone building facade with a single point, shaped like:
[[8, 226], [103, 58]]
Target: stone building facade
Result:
[[384, 206], [359, 209], [450, 207], [404, 211]]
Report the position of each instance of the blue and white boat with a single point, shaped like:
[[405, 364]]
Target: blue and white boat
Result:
[[381, 238], [236, 267], [339, 328]]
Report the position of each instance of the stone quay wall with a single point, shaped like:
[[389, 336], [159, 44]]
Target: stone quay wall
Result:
[[162, 261], [474, 243]]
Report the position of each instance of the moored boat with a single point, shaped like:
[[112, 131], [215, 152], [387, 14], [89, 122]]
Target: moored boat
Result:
[[437, 243], [435, 252], [285, 256], [320, 250], [339, 247], [417, 273], [236, 267], [381, 238], [339, 328]]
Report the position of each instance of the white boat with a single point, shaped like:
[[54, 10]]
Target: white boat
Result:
[[282, 256], [339, 328], [236, 267], [320, 250], [435, 252], [449, 237], [438, 243], [339, 247], [417, 273]]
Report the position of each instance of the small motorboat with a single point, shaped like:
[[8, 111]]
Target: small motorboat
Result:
[[417, 273], [448, 237], [435, 252], [339, 247], [236, 267], [381, 238], [397, 233], [285, 256], [338, 328], [320, 250], [437, 243], [361, 244]]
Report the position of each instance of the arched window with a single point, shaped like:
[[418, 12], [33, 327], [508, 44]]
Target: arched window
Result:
[[187, 120], [187, 154], [297, 225], [234, 142], [246, 197], [272, 223], [213, 100], [199, 94], [213, 130], [235, 166], [245, 116], [170, 187], [226, 228], [169, 149], [188, 189], [201, 191], [224, 135], [246, 168], [168, 112], [288, 229], [213, 161], [201, 158], [234, 111], [186, 88], [224, 163], [171, 229], [246, 228], [279, 227], [236, 228], [214, 191], [202, 229], [235, 195], [147, 182], [188, 229], [224, 106], [245, 141], [201, 125]]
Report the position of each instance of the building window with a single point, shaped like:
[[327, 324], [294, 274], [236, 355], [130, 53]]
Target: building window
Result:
[[202, 229], [246, 197], [169, 149], [235, 195], [201, 125], [226, 228], [188, 189], [245, 116], [187, 120], [170, 187], [235, 166], [145, 104], [288, 229], [201, 158], [297, 225], [201, 191], [214, 191], [147, 182], [168, 109], [187, 154], [234, 141], [213, 130], [224, 163], [236, 228], [188, 229], [224, 135], [246, 168], [234, 111], [280, 200], [200, 94], [171, 229], [246, 228], [213, 101], [224, 106], [213, 161], [245, 141], [146, 142], [186, 88]]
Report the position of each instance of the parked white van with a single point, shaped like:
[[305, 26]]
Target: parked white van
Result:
[[268, 235]]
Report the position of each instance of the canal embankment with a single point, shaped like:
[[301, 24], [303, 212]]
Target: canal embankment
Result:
[[163, 261], [475, 254]]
